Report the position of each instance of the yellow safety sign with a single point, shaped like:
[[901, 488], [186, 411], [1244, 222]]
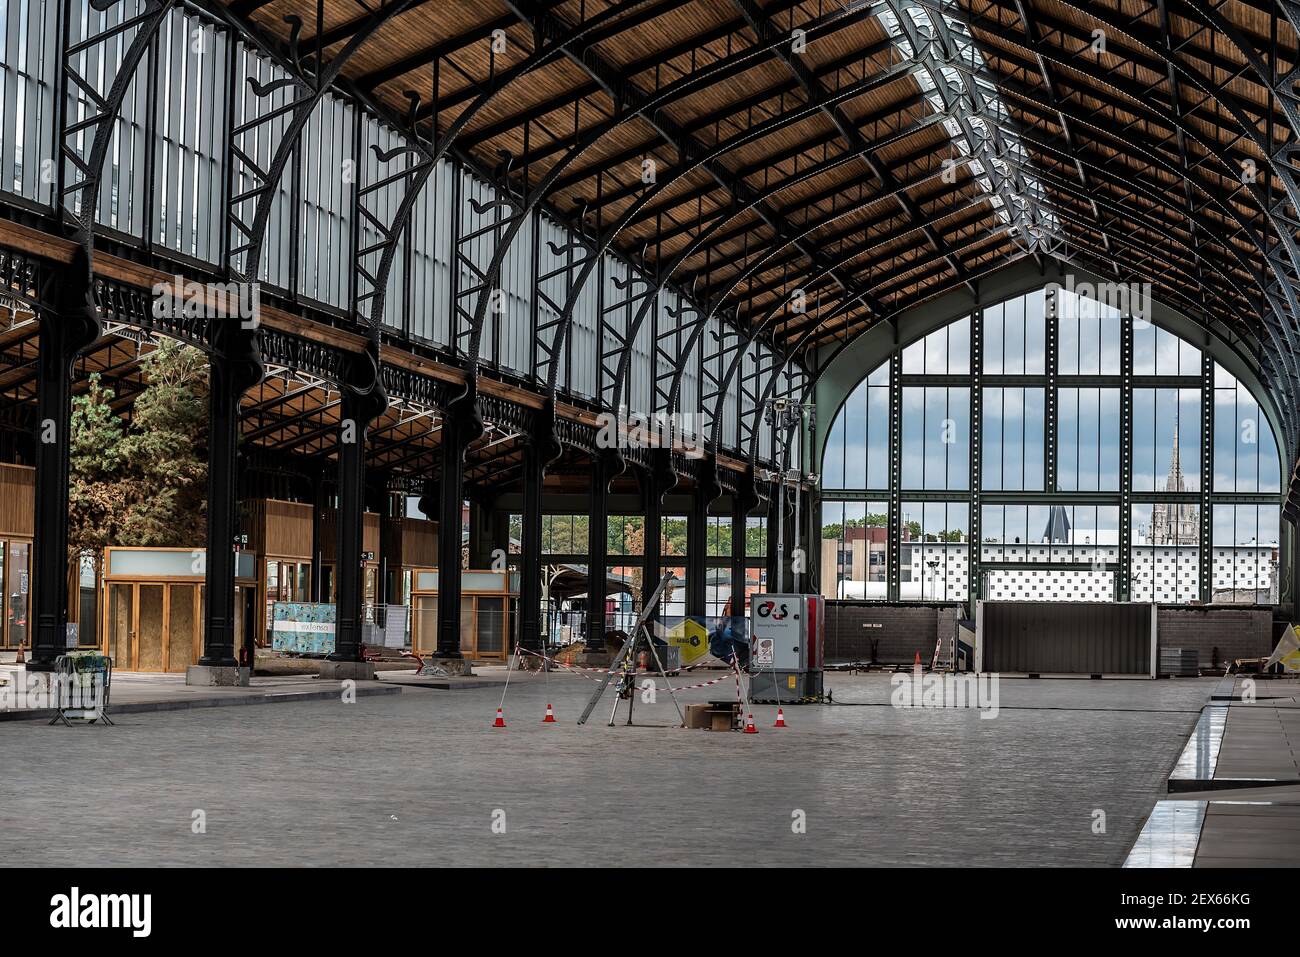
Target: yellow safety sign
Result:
[[691, 637]]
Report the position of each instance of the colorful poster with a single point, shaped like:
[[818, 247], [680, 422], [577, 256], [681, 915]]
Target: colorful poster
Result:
[[304, 628]]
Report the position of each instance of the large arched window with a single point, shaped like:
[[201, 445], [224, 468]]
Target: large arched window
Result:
[[1092, 455]]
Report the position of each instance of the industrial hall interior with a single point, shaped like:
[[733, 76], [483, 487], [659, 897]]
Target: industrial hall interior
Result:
[[786, 353]]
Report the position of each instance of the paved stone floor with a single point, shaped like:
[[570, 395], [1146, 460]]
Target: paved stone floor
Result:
[[415, 778]]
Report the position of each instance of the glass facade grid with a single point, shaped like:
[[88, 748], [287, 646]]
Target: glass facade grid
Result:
[[1052, 522]]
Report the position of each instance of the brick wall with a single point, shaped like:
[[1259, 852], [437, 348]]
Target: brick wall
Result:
[[900, 631], [1236, 632]]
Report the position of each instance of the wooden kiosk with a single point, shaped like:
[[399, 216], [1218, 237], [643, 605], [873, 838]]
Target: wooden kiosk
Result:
[[17, 508], [152, 607], [489, 603]]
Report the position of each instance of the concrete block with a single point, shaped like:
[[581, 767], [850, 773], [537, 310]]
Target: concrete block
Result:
[[344, 670], [456, 665], [209, 676]]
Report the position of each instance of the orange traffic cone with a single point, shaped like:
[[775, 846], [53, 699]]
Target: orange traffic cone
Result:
[[500, 722], [550, 715], [749, 725], [780, 719], [22, 656]]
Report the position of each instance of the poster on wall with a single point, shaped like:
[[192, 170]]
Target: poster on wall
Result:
[[304, 628]]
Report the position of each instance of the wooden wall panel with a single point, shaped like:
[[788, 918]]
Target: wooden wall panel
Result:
[[329, 534], [419, 543], [17, 501], [280, 529]]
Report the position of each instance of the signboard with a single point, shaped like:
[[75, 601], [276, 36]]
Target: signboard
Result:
[[777, 631], [305, 628], [395, 617], [691, 636]]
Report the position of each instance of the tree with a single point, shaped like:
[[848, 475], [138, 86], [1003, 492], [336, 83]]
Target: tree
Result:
[[166, 450], [97, 486], [142, 483]]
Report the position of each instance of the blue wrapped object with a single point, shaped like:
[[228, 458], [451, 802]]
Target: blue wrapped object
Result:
[[729, 641]]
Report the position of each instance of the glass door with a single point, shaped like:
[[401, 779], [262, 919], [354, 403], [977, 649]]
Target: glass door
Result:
[[490, 627], [19, 594]]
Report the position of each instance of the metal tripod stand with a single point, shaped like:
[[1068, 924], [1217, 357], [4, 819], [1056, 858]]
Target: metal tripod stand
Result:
[[625, 664]]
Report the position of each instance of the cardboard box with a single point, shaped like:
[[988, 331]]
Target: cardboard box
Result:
[[723, 719], [697, 717]]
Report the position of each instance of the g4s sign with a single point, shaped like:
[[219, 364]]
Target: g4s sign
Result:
[[770, 609]]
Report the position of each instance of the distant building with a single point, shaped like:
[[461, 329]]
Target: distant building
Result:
[[1175, 524]]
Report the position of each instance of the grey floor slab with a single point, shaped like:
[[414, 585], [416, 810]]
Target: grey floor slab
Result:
[[420, 777], [1261, 740]]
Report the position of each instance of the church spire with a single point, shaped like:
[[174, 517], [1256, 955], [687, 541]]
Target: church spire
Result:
[[1174, 483]]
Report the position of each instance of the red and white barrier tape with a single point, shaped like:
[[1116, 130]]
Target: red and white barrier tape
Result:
[[579, 671], [572, 669]]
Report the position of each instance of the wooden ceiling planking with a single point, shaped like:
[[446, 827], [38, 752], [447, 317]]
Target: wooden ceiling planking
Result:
[[1107, 91]]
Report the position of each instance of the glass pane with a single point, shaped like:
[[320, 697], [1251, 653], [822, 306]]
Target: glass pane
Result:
[[934, 561], [1165, 565], [467, 634], [19, 594], [490, 628], [1245, 559], [425, 623], [993, 340], [1035, 334]]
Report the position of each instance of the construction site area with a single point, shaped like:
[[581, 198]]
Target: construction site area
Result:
[[420, 777]]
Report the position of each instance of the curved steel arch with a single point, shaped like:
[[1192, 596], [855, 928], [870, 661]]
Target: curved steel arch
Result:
[[1250, 131], [607, 240], [1174, 122], [688, 164], [953, 111], [429, 158], [1190, 132], [86, 189], [724, 217], [309, 95], [917, 39], [807, 279], [728, 215]]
